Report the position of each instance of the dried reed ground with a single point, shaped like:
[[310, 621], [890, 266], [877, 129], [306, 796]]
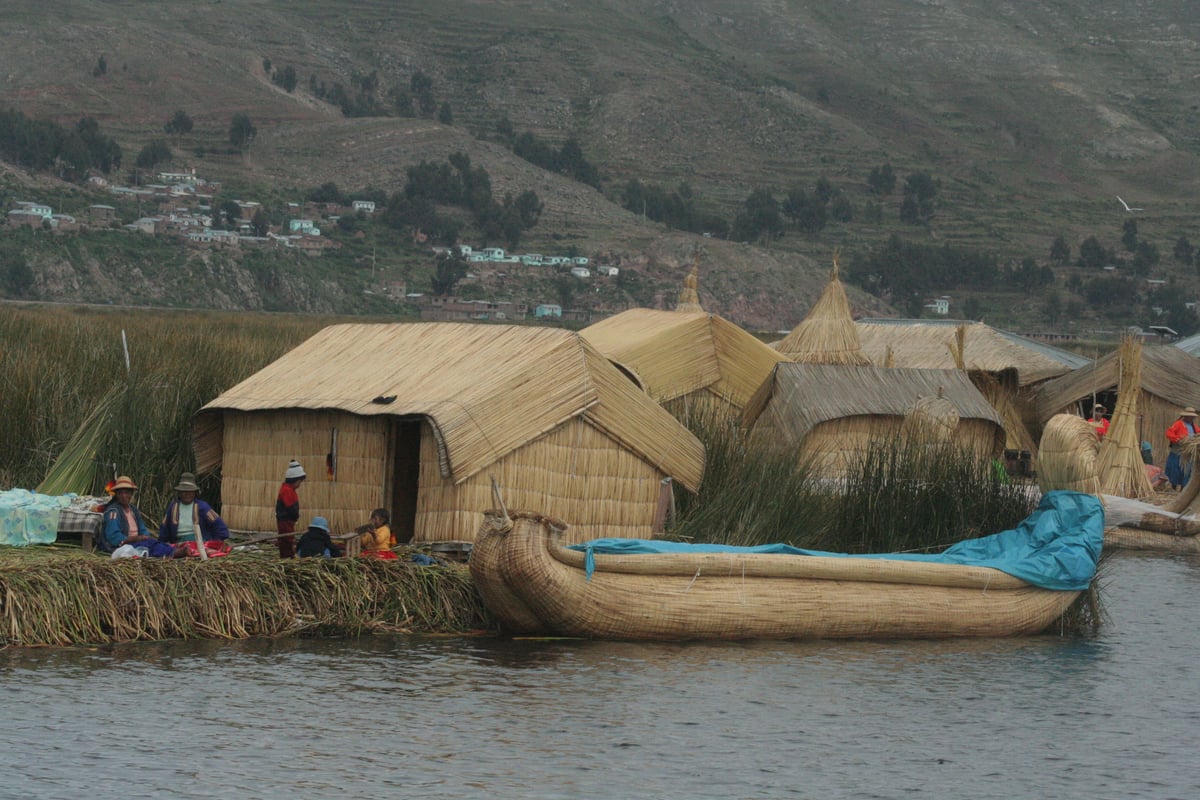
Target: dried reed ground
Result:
[[62, 596]]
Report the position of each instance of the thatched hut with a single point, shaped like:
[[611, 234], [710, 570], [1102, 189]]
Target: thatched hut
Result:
[[827, 334], [1006, 367], [830, 414], [417, 418], [1170, 380], [685, 358]]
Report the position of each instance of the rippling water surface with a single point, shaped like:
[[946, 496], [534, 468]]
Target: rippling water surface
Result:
[[1115, 715]]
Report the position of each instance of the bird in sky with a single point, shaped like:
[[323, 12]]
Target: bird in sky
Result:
[[1127, 208]]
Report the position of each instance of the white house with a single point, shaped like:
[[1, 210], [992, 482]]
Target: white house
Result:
[[493, 253], [35, 209], [303, 226], [581, 272], [580, 260], [607, 270], [532, 259], [548, 310], [939, 306], [365, 206]]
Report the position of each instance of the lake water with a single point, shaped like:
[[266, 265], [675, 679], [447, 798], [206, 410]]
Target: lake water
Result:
[[1114, 715]]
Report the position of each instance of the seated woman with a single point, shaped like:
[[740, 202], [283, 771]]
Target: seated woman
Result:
[[376, 537], [122, 523], [186, 515]]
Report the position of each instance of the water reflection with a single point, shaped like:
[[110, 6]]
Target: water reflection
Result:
[[1105, 716]]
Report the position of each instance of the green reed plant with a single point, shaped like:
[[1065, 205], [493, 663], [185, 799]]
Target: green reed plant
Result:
[[900, 494], [58, 365]]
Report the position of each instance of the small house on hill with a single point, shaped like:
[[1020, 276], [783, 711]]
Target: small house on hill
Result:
[[830, 414], [681, 358], [1170, 381], [417, 418]]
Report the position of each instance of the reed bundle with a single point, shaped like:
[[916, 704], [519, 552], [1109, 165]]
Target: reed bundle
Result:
[[1120, 465], [71, 601], [1067, 455]]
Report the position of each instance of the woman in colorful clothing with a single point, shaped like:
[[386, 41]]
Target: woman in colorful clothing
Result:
[[1098, 421], [377, 536], [1179, 472], [287, 509], [187, 514], [122, 522]]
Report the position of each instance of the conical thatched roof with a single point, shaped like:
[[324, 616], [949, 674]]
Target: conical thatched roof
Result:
[[484, 389], [1122, 471], [926, 344], [827, 335], [689, 296], [673, 353]]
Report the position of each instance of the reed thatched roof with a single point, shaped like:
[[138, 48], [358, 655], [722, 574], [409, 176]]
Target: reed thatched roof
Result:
[[1167, 372], [674, 353], [827, 334], [926, 344], [801, 396], [486, 390]]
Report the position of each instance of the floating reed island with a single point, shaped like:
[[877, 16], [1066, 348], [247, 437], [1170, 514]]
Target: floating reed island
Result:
[[71, 598]]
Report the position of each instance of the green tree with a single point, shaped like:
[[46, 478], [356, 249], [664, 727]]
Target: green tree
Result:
[[101, 67], [286, 78], [449, 271], [1053, 307], [445, 115], [180, 124], [759, 218], [882, 180], [1184, 252], [421, 86], [260, 224], [1130, 236], [1145, 258], [153, 154], [1060, 251], [241, 132], [1092, 253], [920, 194]]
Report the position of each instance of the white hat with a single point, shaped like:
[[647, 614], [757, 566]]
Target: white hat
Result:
[[294, 470]]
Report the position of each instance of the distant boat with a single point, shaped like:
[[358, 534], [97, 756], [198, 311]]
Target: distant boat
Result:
[[1007, 584]]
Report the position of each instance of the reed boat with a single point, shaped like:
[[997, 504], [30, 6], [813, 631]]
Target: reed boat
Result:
[[1016, 582]]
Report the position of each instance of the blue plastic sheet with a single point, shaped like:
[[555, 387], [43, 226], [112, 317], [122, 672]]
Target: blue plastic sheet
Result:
[[1055, 547]]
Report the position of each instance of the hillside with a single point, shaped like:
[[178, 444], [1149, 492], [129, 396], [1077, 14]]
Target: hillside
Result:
[[1031, 117]]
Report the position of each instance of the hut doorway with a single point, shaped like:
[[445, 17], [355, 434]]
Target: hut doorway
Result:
[[406, 462]]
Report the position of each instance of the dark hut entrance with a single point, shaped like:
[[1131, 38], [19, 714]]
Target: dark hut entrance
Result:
[[405, 461]]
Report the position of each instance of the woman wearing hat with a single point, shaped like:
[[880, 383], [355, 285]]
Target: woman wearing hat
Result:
[[122, 522], [187, 514], [1178, 472], [287, 509]]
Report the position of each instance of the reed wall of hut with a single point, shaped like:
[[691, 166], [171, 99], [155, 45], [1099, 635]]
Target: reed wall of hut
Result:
[[832, 413], [574, 472]]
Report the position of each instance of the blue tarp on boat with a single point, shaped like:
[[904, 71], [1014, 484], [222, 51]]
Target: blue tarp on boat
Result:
[[1055, 547]]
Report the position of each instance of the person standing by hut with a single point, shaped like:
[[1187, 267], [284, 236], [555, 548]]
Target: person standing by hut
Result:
[[287, 509], [1178, 472]]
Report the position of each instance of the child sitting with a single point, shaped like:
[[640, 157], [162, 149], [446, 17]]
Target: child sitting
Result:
[[377, 539], [316, 541]]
